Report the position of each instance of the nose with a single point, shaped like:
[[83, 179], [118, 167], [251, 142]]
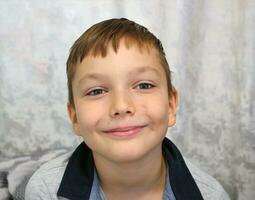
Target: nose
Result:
[[122, 104]]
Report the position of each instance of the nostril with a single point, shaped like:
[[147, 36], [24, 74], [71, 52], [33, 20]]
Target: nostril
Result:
[[122, 109], [117, 113], [122, 113]]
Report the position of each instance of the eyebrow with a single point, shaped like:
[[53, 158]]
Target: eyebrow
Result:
[[138, 70], [144, 69], [92, 76]]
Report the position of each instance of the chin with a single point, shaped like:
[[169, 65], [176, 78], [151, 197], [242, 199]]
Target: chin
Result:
[[126, 158], [128, 154], [127, 150]]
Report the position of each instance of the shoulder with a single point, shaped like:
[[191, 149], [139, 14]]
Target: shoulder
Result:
[[208, 186], [45, 181]]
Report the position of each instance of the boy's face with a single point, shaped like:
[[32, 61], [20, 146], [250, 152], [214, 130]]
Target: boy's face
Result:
[[122, 108]]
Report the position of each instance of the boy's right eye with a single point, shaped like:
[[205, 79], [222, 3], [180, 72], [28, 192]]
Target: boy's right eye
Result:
[[95, 92]]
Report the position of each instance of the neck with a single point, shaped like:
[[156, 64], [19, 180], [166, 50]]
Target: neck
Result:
[[143, 176]]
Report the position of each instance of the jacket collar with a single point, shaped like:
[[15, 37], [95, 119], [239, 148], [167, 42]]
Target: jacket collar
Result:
[[77, 180], [183, 184]]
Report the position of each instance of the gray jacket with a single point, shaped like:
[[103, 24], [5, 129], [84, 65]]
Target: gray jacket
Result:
[[46, 181]]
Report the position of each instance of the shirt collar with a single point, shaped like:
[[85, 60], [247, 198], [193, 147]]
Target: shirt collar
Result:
[[98, 194], [78, 178]]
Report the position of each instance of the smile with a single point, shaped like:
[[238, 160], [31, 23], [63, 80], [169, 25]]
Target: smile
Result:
[[125, 132]]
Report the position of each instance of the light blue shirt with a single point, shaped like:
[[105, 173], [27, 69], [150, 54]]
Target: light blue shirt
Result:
[[98, 194]]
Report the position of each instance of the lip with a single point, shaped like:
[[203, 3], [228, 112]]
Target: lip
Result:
[[125, 132]]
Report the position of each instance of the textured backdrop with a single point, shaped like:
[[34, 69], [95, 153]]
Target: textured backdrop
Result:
[[210, 46]]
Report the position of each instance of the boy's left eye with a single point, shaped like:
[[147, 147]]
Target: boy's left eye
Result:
[[145, 86]]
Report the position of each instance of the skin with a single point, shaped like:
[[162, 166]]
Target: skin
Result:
[[124, 89]]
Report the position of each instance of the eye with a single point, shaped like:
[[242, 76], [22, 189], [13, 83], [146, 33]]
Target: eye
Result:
[[95, 92], [145, 86]]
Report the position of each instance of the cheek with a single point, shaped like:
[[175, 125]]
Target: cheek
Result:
[[89, 116], [157, 109]]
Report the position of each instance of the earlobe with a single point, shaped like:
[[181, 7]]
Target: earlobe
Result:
[[173, 103], [73, 117]]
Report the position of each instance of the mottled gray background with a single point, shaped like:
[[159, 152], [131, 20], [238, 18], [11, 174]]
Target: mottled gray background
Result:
[[209, 44]]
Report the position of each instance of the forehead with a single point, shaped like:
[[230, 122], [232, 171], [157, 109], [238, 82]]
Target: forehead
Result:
[[127, 59]]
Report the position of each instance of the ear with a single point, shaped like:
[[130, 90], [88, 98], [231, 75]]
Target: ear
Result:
[[173, 103], [73, 117]]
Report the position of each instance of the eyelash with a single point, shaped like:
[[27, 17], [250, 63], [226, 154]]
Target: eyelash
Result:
[[93, 92], [90, 93], [147, 84]]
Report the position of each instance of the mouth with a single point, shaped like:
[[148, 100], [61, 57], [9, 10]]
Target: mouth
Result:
[[125, 132]]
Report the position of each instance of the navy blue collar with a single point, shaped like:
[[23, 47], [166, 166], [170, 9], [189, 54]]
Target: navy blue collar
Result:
[[77, 180]]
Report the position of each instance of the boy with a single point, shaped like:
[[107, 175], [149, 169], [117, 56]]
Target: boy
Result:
[[121, 102]]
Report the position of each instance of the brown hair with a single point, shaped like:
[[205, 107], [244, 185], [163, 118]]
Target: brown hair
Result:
[[95, 42]]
